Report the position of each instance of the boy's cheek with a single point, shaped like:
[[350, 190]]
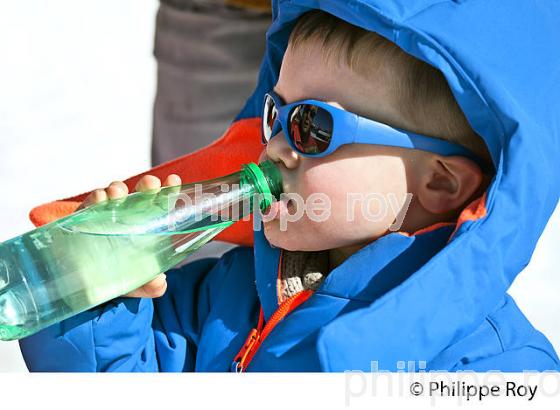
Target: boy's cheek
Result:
[[354, 216], [296, 232]]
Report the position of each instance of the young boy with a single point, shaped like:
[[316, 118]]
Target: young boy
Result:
[[308, 297]]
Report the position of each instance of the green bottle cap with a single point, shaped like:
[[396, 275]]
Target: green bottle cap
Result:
[[267, 180]]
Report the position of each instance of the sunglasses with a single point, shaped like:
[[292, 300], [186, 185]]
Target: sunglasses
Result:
[[315, 129]]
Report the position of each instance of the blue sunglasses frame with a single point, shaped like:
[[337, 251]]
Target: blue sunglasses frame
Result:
[[350, 128]]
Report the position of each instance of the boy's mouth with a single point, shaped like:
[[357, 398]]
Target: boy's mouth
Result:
[[284, 205]]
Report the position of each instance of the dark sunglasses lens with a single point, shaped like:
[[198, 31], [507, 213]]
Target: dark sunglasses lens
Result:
[[311, 128], [270, 115]]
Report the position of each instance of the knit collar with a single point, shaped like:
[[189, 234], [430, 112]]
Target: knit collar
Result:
[[364, 276]]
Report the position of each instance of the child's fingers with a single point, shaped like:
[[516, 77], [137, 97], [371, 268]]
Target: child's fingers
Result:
[[99, 195], [116, 189], [147, 183], [153, 289], [156, 287], [168, 197], [94, 197], [172, 180]]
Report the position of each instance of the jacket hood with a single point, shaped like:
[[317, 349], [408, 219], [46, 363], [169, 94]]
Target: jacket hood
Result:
[[502, 62]]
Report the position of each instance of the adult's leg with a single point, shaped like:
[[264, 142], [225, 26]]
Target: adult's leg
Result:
[[208, 61], [208, 57]]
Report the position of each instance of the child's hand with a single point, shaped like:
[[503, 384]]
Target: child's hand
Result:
[[118, 189]]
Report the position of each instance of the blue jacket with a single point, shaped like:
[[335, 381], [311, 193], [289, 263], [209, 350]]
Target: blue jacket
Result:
[[437, 299]]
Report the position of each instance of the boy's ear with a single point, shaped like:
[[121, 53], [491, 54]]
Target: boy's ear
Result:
[[448, 183]]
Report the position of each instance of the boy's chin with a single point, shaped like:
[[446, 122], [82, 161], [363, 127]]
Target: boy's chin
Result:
[[287, 240], [275, 237]]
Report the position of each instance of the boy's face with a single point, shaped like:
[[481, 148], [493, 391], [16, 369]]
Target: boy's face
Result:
[[350, 171]]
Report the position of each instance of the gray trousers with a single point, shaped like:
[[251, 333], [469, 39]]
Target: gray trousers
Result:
[[208, 62], [208, 57]]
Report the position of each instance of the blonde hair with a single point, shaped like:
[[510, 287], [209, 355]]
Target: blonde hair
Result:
[[420, 90]]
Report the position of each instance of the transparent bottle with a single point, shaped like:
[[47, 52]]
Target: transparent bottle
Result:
[[113, 247]]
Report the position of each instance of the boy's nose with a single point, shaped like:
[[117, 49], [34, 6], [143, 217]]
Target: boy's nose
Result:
[[278, 149]]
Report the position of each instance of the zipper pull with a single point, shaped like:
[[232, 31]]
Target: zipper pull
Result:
[[247, 346]]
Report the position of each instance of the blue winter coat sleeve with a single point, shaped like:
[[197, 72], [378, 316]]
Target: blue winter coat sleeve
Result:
[[133, 334]]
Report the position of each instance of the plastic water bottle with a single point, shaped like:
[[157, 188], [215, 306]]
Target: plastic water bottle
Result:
[[113, 247]]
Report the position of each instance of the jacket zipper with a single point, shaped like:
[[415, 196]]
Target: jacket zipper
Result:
[[259, 334]]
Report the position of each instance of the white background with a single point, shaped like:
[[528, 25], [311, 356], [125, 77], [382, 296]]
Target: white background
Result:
[[77, 83]]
